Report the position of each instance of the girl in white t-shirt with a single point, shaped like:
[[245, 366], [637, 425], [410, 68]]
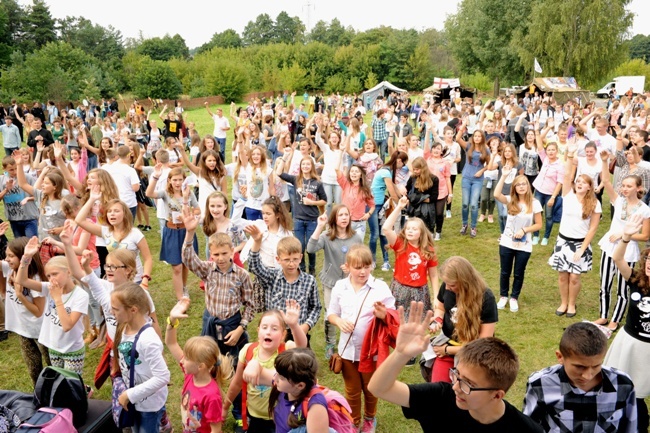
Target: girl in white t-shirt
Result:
[[131, 308], [23, 307], [259, 181], [118, 232], [524, 216], [211, 174], [66, 303], [572, 255]]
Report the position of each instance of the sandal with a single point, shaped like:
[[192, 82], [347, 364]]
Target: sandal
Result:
[[601, 322]]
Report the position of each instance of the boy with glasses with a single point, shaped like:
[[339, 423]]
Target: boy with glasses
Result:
[[473, 402]]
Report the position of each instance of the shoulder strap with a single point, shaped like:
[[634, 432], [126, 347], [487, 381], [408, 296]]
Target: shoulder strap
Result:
[[132, 359], [305, 401], [244, 388], [249, 351], [357, 319]]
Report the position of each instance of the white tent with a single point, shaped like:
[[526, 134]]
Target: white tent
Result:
[[381, 89]]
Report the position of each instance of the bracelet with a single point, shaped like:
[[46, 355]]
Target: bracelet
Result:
[[147, 277], [25, 260], [438, 320], [155, 178], [626, 241], [186, 203], [446, 346], [173, 325], [58, 303]]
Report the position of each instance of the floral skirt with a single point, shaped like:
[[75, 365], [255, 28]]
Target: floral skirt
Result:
[[405, 294], [562, 258]]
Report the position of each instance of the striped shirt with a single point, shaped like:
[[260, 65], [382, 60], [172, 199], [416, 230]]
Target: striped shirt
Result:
[[225, 292], [278, 290]]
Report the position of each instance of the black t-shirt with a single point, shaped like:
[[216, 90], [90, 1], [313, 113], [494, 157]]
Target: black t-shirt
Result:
[[172, 128], [637, 323], [646, 152], [489, 312], [453, 123], [433, 405], [312, 189]]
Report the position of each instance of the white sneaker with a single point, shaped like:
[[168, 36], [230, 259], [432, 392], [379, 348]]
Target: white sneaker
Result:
[[535, 240], [437, 237], [385, 266], [544, 241], [448, 214], [502, 303], [514, 305]]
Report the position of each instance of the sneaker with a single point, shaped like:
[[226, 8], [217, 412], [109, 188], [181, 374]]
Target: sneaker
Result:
[[463, 230], [329, 351], [472, 233], [140, 226], [4, 335], [502, 302], [369, 425], [448, 214], [544, 241], [146, 229], [535, 240], [385, 266], [411, 362], [514, 305], [490, 219], [239, 426], [481, 218], [437, 237]]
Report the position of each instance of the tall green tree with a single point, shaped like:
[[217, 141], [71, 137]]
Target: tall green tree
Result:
[[480, 35], [640, 47], [103, 43], [580, 38], [164, 48], [226, 39], [419, 68], [288, 30], [260, 31], [157, 80], [38, 26]]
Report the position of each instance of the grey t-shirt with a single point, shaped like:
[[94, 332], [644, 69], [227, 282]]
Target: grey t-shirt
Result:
[[14, 210]]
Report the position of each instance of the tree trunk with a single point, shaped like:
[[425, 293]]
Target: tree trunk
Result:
[[496, 87]]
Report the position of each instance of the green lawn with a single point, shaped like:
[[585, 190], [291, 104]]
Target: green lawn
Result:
[[534, 331]]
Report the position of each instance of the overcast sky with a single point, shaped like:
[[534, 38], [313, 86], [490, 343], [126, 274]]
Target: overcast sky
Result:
[[197, 20]]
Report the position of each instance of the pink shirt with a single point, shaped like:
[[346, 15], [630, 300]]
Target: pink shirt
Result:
[[353, 198], [442, 171], [549, 176]]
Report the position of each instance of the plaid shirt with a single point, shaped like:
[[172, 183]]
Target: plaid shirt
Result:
[[379, 131], [558, 406], [225, 292], [278, 290]]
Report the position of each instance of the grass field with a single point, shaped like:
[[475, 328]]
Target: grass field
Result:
[[534, 331]]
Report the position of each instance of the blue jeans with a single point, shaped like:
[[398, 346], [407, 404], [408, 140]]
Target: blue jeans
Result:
[[333, 193], [222, 148], [134, 211], [373, 222], [253, 214], [303, 230], [382, 145], [510, 258], [472, 187], [10, 150], [548, 212], [502, 209], [26, 228], [147, 422]]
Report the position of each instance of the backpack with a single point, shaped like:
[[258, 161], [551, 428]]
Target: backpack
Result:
[[8, 420], [49, 420], [57, 387], [338, 409], [249, 356]]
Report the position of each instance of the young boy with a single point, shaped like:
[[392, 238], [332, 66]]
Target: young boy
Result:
[[473, 402], [579, 393], [288, 282]]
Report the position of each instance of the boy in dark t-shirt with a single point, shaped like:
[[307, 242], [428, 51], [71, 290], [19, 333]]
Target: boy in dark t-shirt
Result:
[[473, 402]]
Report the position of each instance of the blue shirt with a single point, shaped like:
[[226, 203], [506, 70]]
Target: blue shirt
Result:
[[10, 136], [473, 164], [378, 186]]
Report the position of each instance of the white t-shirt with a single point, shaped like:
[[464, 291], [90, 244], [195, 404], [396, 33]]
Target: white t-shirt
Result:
[[257, 186], [331, 160], [220, 122], [236, 183], [603, 142], [101, 290], [151, 373], [52, 334], [572, 224], [161, 185], [414, 153], [125, 177], [269, 248], [593, 171], [514, 224], [454, 151], [19, 319], [632, 252], [130, 242]]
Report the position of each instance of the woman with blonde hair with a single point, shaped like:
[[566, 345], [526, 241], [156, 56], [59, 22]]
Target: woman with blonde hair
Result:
[[465, 310]]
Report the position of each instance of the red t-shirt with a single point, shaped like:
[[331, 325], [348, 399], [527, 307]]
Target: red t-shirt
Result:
[[411, 269]]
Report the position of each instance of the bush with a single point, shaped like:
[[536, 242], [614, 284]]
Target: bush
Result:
[[229, 79], [479, 81], [334, 83], [633, 67], [353, 86], [156, 79]]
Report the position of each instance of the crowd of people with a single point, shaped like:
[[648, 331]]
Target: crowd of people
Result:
[[308, 176]]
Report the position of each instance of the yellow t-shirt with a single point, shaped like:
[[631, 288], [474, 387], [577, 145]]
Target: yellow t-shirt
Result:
[[257, 398]]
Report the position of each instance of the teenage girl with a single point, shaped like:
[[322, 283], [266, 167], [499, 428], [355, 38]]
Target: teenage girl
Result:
[[548, 185], [424, 183], [215, 220], [452, 154], [369, 159], [206, 372], [626, 205], [490, 177], [528, 152], [118, 232], [23, 307], [310, 194], [336, 242], [524, 215], [211, 174], [572, 255], [276, 223], [259, 182], [175, 196], [356, 195], [332, 156], [237, 173], [66, 303], [439, 167], [257, 373], [507, 156], [296, 375], [416, 262], [131, 307]]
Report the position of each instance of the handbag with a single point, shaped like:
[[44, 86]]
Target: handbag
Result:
[[125, 418], [336, 362]]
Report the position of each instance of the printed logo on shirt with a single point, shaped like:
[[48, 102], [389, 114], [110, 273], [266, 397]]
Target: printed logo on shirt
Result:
[[190, 414], [52, 313], [125, 349]]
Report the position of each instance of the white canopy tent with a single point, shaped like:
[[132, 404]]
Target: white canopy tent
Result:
[[381, 89]]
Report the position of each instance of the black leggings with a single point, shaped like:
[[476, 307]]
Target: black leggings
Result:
[[642, 415], [453, 180], [440, 214], [531, 179], [102, 252]]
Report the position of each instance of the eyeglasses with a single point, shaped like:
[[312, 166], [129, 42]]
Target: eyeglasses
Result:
[[111, 268], [521, 184], [291, 261], [465, 387]]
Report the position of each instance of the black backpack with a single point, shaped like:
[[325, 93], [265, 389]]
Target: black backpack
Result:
[[57, 387]]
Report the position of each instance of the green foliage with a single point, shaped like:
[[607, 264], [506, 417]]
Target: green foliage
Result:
[[229, 80], [164, 48], [371, 80], [105, 44], [419, 68], [38, 26], [156, 79], [334, 83], [583, 39], [226, 39], [640, 47], [633, 67], [479, 81], [353, 85], [259, 32], [293, 78], [333, 34], [288, 30]]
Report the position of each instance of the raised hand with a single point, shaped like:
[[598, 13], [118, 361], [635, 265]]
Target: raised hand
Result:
[[3, 227], [179, 311], [95, 193], [56, 291], [604, 155], [292, 313], [506, 170], [190, 220], [66, 233], [412, 337], [32, 247], [58, 150], [86, 258], [18, 157], [254, 232], [633, 226], [322, 220], [157, 170], [403, 202]]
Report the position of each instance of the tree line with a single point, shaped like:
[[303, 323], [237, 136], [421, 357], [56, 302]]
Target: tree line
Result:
[[485, 40]]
